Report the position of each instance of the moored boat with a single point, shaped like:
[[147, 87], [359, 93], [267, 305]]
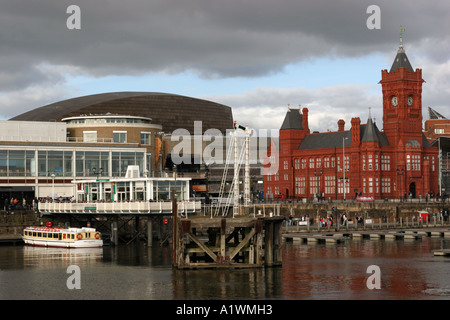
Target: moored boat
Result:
[[64, 238]]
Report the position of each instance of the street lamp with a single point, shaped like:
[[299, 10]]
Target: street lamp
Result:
[[318, 174], [343, 161], [400, 173], [53, 186]]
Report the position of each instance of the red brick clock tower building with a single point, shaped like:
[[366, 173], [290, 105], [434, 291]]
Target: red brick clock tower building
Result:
[[365, 161]]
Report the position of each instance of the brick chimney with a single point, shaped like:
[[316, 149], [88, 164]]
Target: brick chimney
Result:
[[305, 119], [341, 125], [356, 131]]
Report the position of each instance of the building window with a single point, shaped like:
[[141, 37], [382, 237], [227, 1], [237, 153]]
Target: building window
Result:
[[286, 164], [277, 190], [145, 138], [415, 162], [17, 163], [333, 162], [364, 162], [269, 191], [326, 162], [314, 185], [385, 163], [119, 136], [438, 131], [300, 185], [364, 185], [303, 163], [376, 162], [58, 163], [311, 163], [318, 162], [341, 185], [385, 185], [90, 136], [369, 162], [330, 184], [432, 163], [121, 160], [370, 185], [297, 163], [286, 177], [346, 163]]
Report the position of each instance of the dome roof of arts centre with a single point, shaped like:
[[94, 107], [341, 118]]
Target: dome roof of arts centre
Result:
[[169, 110]]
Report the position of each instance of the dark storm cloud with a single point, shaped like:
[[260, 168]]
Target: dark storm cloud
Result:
[[213, 38]]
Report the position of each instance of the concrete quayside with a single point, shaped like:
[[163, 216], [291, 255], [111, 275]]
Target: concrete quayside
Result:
[[339, 237]]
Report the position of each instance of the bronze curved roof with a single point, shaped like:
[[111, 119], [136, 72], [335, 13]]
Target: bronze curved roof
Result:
[[169, 110]]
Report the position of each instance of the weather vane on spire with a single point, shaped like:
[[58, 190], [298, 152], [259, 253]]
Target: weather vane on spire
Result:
[[401, 35]]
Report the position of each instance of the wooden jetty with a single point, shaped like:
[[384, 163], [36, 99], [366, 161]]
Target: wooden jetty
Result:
[[219, 242]]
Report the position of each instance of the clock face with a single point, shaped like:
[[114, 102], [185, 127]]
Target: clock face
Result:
[[394, 101], [410, 101]]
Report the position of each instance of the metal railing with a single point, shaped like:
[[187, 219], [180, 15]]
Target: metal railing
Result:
[[160, 207]]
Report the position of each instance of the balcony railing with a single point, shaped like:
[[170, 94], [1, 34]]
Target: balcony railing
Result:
[[160, 207]]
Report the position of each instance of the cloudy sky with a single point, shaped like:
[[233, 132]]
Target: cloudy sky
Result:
[[256, 56]]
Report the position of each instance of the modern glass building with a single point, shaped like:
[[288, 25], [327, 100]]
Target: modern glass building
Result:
[[39, 160]]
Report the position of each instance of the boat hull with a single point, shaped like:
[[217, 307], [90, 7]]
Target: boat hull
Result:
[[87, 243]]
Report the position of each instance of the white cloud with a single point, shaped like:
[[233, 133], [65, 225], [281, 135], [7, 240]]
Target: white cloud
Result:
[[13, 103], [267, 107]]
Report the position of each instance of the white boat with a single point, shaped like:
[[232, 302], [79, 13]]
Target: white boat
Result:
[[63, 238]]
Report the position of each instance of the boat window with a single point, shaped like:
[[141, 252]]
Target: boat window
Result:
[[34, 234], [39, 234], [55, 235]]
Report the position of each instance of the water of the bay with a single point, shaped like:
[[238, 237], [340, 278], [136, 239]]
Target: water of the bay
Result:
[[409, 270]]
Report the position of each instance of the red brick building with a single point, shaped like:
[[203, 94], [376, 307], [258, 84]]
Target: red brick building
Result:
[[436, 126], [389, 163]]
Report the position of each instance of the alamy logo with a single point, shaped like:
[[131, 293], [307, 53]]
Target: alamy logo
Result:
[[74, 20]]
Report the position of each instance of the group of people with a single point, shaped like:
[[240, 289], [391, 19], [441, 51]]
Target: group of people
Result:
[[15, 203]]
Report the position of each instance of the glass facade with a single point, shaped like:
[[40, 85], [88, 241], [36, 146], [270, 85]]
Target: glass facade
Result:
[[121, 161], [45, 163], [58, 163], [17, 163]]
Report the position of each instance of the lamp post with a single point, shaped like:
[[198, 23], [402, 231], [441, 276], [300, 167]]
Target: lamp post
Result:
[[318, 173], [343, 161], [401, 173], [53, 186]]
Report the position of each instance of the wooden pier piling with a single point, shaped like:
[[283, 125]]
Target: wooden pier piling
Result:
[[239, 242]]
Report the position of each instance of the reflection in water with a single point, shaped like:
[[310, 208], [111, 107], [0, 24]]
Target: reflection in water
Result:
[[319, 271]]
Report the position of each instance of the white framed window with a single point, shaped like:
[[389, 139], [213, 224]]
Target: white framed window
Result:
[[145, 138], [90, 136], [120, 136], [300, 184]]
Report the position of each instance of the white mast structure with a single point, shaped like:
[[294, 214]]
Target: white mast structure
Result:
[[234, 188]]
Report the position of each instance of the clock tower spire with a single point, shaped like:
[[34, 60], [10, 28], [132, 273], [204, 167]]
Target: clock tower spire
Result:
[[402, 100]]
